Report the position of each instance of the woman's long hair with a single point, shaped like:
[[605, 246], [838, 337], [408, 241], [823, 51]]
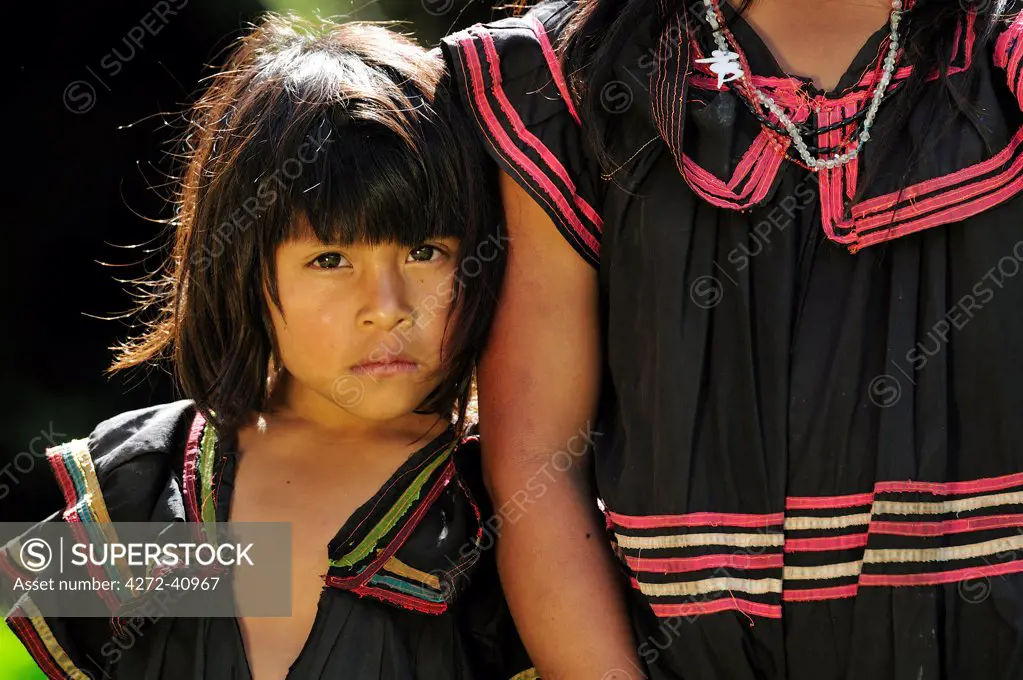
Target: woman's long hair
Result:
[[600, 29]]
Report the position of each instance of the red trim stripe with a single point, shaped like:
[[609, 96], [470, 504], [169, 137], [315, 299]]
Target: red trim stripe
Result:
[[696, 519], [749, 161], [55, 457], [941, 577], [884, 204], [494, 62], [553, 64], [984, 485], [678, 565], [504, 142], [760, 155], [828, 502], [767, 611], [402, 600], [954, 526], [26, 632], [826, 543], [818, 594], [949, 488], [73, 516], [956, 213], [956, 196]]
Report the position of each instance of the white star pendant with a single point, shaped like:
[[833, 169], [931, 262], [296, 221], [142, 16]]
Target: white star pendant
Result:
[[725, 64]]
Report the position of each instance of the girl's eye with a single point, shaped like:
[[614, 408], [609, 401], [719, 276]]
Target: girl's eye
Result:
[[423, 253], [329, 261]]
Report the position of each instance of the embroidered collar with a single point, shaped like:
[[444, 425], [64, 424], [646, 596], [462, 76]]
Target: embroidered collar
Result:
[[679, 86], [363, 555]]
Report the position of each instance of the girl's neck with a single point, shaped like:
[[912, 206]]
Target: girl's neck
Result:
[[292, 402]]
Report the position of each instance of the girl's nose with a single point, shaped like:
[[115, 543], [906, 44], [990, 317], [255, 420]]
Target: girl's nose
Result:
[[386, 306]]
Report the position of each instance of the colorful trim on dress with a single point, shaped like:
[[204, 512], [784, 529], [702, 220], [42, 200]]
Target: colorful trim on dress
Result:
[[530, 674], [29, 626], [86, 513], [902, 534], [518, 150], [554, 65], [370, 568], [757, 170], [198, 476], [943, 200]]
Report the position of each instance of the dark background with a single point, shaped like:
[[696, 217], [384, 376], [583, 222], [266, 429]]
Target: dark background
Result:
[[93, 120]]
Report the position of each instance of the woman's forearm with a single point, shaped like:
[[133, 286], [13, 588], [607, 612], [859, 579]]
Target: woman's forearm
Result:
[[558, 573]]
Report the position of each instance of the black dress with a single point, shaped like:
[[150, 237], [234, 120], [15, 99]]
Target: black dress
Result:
[[812, 461], [403, 599]]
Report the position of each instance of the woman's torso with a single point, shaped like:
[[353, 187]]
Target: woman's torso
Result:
[[811, 455]]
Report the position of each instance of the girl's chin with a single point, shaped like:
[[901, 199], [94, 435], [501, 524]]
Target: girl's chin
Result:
[[380, 403]]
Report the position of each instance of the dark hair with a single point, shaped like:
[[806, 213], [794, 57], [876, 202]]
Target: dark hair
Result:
[[351, 126], [599, 30]]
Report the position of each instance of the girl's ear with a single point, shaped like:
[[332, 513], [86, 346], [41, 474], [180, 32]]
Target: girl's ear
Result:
[[273, 374]]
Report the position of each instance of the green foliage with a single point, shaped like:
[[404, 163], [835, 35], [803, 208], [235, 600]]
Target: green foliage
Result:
[[427, 20], [15, 662]]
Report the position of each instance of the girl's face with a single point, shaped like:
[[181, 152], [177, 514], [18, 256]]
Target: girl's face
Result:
[[363, 325]]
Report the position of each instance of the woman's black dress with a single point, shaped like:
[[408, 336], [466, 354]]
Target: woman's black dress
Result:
[[403, 600], [812, 459]]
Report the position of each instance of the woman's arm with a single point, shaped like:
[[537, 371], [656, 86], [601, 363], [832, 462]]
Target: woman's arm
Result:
[[539, 379]]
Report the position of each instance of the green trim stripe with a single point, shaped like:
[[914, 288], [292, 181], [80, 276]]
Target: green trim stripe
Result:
[[207, 456], [397, 511]]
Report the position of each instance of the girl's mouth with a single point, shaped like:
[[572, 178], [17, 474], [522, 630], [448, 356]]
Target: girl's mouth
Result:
[[385, 368]]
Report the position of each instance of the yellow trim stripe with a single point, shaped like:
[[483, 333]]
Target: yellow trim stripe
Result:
[[531, 674], [687, 540], [396, 566], [754, 586], [52, 646], [954, 552], [840, 522], [93, 498], [942, 507], [822, 572]]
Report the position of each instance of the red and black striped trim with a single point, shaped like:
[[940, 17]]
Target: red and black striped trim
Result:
[[951, 198], [517, 150], [704, 562], [901, 534], [1009, 56]]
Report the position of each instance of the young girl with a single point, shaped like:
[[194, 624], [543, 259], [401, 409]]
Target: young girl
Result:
[[787, 235], [332, 280]]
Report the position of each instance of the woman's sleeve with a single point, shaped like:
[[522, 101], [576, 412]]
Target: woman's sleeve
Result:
[[511, 85], [1008, 55]]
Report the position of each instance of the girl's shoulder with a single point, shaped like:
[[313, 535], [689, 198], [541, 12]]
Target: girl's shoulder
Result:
[[122, 469], [125, 470]]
